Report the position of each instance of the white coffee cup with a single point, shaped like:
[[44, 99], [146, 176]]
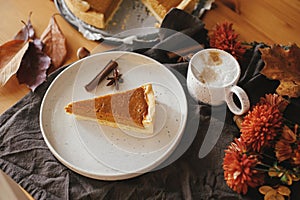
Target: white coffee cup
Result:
[[212, 77]]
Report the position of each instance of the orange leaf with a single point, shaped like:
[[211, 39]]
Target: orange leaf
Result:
[[11, 54], [55, 43], [283, 65]]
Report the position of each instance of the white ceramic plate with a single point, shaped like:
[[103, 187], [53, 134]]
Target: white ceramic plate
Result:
[[109, 153]]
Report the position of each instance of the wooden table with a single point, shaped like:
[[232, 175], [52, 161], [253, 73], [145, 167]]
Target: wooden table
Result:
[[270, 21]]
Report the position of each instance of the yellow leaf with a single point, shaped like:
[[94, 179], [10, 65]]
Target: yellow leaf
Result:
[[283, 65]]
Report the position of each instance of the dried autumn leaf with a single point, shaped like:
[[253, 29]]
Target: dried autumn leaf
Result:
[[283, 65], [289, 88], [27, 32], [55, 43], [34, 65], [11, 54]]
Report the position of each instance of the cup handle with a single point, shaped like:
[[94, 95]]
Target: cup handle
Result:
[[243, 98]]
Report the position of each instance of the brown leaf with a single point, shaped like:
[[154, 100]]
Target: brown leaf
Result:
[[34, 66], [11, 54], [27, 32], [283, 65], [55, 43]]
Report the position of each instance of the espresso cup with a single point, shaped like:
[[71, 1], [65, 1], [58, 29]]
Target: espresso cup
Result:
[[212, 77]]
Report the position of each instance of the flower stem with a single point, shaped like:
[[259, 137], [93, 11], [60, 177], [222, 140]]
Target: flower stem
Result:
[[261, 169], [269, 156], [265, 165]]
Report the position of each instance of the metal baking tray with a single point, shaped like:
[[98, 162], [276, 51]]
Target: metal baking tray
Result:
[[132, 15]]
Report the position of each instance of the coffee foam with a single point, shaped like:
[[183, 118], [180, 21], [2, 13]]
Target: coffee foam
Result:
[[215, 69]]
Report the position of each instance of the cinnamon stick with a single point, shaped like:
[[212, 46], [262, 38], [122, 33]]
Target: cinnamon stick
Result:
[[111, 65]]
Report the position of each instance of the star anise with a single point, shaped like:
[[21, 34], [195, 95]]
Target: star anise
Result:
[[115, 79]]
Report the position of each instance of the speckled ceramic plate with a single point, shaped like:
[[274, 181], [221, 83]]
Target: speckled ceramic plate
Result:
[[103, 152]]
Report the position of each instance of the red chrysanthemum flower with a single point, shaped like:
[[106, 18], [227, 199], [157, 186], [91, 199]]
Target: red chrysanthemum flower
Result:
[[239, 168], [260, 126], [224, 37]]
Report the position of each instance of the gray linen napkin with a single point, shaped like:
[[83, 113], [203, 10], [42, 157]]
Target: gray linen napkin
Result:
[[25, 157]]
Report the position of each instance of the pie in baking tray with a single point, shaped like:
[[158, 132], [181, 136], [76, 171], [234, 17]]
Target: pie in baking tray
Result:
[[99, 12]]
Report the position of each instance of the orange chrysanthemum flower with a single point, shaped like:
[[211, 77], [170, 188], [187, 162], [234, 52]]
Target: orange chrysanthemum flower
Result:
[[288, 135], [296, 156], [224, 37], [239, 168], [296, 153], [275, 100], [283, 150], [260, 126], [287, 147]]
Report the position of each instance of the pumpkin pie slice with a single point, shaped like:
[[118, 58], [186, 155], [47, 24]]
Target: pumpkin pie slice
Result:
[[130, 110]]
